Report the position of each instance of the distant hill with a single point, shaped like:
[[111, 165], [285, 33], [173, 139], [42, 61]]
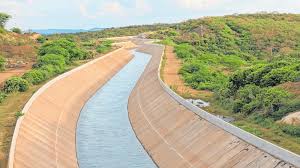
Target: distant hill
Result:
[[63, 31]]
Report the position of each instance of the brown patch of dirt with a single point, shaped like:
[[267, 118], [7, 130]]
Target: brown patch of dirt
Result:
[[173, 79], [34, 36], [291, 119], [19, 53], [13, 72], [292, 87]]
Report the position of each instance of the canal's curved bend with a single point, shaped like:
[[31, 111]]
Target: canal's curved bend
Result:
[[176, 136], [104, 135]]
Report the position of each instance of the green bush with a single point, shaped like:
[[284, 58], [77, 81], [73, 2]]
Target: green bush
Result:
[[291, 130], [273, 99], [15, 84], [185, 51], [51, 70], [2, 96], [246, 100], [78, 54], [104, 47], [16, 30], [290, 106], [3, 19], [267, 101], [278, 76], [41, 39], [52, 59], [35, 76], [2, 63], [57, 50], [64, 47], [200, 76]]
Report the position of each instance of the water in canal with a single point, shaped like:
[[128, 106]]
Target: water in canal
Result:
[[104, 137]]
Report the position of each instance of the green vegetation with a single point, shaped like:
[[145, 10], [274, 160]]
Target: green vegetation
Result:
[[64, 47], [244, 60], [115, 32], [3, 19], [16, 30], [55, 57], [41, 39], [2, 63], [15, 84], [2, 96], [104, 46]]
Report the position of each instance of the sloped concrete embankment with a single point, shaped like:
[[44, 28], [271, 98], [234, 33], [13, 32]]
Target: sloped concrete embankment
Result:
[[176, 134], [45, 136]]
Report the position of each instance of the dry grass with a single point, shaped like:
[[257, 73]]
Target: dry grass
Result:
[[8, 109]]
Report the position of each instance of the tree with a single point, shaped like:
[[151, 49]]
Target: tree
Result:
[[16, 30], [3, 19]]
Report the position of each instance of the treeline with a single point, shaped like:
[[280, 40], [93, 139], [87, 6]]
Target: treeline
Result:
[[116, 32], [54, 57]]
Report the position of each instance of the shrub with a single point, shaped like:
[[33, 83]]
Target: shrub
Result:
[[15, 84], [78, 54], [57, 50], [16, 30], [52, 59], [2, 96], [104, 47], [3, 19], [2, 63], [64, 47], [278, 76], [273, 99], [35, 76], [51, 70], [19, 114], [232, 61], [246, 99], [291, 130], [290, 105], [185, 51], [41, 39]]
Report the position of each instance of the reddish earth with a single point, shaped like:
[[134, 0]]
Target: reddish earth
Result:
[[13, 72], [292, 119], [172, 78], [292, 87]]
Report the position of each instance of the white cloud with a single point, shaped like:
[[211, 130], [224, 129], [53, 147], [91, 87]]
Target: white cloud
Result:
[[142, 6], [19, 10], [198, 4], [114, 9]]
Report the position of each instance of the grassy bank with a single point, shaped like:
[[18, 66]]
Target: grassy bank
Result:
[[250, 64]]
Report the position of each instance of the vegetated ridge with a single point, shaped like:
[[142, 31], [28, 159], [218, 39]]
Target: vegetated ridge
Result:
[[251, 64]]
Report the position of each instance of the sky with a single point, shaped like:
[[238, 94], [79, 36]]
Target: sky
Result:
[[86, 14]]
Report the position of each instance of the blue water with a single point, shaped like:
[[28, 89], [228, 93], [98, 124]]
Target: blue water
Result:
[[105, 138]]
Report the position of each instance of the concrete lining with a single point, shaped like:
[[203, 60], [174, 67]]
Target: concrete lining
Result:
[[178, 134], [45, 135]]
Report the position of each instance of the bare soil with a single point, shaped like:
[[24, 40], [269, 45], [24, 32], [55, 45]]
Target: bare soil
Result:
[[172, 78], [292, 119], [13, 72]]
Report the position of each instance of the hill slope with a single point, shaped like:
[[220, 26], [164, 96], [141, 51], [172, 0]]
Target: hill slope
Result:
[[249, 62]]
